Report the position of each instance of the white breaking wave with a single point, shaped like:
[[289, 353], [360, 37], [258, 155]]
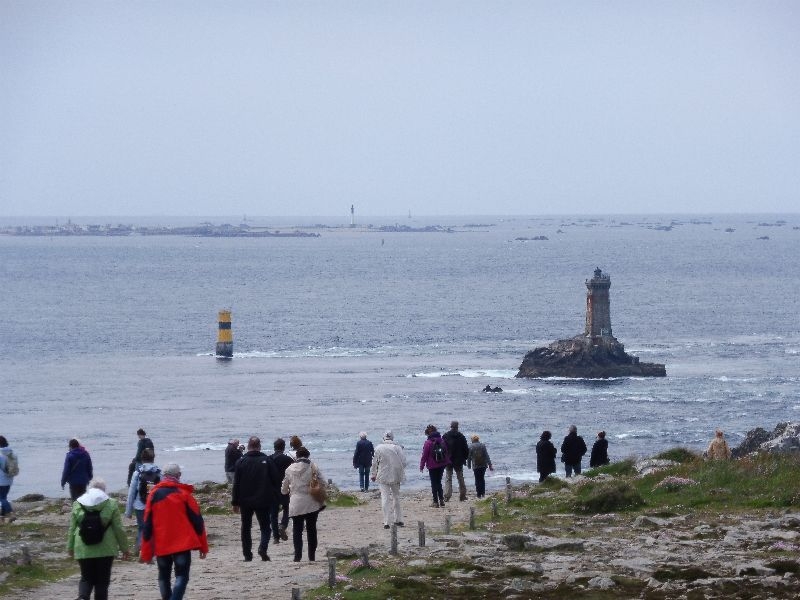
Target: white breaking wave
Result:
[[470, 373]]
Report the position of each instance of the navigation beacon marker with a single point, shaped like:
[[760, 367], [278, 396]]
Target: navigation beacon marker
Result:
[[225, 335]]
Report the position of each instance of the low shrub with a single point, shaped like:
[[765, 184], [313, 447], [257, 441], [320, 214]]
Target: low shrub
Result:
[[606, 497], [678, 455]]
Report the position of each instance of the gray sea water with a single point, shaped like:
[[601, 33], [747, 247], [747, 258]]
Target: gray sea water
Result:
[[364, 330]]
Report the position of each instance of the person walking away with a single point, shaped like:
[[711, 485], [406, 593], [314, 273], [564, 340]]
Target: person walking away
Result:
[[281, 460], [718, 448], [9, 467], [173, 527], [572, 450], [545, 456], [232, 454], [389, 471], [77, 470], [255, 491], [95, 537], [303, 508], [435, 457], [459, 451], [599, 456], [478, 460], [362, 460], [144, 478], [141, 444]]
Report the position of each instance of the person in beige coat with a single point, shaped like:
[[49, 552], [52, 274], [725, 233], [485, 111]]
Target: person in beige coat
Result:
[[303, 509], [718, 448]]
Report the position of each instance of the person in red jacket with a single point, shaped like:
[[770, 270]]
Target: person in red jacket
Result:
[[173, 527]]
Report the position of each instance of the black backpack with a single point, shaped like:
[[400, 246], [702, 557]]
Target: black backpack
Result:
[[438, 452], [145, 479], [91, 528]]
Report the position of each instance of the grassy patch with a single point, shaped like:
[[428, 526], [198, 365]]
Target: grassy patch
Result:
[[623, 468], [606, 497], [342, 500], [678, 455]]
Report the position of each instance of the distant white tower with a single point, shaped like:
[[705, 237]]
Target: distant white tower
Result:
[[352, 215]]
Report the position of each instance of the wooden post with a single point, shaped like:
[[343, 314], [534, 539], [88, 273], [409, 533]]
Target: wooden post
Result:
[[494, 508], [472, 517], [447, 525], [365, 556], [295, 593], [393, 548], [508, 489], [331, 572], [421, 526]]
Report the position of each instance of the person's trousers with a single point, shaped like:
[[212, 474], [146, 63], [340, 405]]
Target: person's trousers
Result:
[[569, 468], [390, 503], [5, 505], [76, 491], [263, 517], [363, 477], [283, 504], [309, 520], [139, 527], [182, 562], [448, 483], [480, 481], [436, 483], [95, 575]]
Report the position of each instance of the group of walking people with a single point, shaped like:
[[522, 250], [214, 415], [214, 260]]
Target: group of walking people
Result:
[[285, 484]]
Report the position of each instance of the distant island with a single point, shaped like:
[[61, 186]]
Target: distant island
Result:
[[596, 354], [201, 230]]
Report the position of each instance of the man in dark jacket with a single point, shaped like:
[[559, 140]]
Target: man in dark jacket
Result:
[[362, 460], [459, 451], [281, 462], [572, 449], [255, 482], [77, 470], [232, 454], [144, 442]]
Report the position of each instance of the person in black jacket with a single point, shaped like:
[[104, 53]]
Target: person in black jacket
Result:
[[572, 450], [255, 484], [362, 460], [459, 452], [545, 456], [232, 455], [599, 455], [281, 460]]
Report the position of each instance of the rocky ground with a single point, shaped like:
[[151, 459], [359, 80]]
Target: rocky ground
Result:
[[744, 555]]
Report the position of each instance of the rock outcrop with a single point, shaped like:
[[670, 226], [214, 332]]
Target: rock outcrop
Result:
[[581, 356], [783, 439]]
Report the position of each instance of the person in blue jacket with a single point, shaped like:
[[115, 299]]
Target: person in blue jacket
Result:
[[362, 460], [77, 469]]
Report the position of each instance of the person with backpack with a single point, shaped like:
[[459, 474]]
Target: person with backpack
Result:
[[95, 537], [435, 457], [478, 460], [173, 527], [144, 442], [144, 478], [77, 469], [255, 491], [9, 468], [459, 451]]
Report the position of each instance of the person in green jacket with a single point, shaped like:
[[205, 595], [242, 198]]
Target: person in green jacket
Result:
[[95, 560]]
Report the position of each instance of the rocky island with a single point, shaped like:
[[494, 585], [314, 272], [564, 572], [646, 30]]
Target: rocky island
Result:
[[595, 354]]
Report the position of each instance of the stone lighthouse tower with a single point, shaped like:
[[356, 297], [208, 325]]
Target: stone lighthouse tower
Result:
[[598, 306]]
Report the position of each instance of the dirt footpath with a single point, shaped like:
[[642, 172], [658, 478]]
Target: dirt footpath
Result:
[[223, 575]]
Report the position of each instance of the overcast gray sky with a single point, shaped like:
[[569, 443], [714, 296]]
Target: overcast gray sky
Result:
[[302, 108]]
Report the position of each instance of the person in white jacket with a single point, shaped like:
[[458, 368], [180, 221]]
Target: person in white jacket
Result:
[[389, 471], [303, 508]]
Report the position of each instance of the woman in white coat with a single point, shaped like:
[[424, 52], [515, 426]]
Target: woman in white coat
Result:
[[303, 509]]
